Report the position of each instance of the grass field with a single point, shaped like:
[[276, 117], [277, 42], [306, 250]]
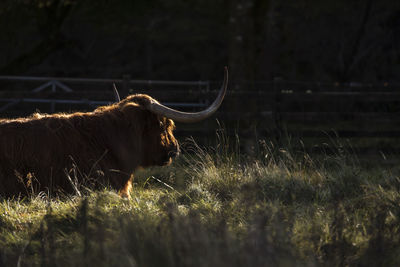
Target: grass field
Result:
[[217, 207]]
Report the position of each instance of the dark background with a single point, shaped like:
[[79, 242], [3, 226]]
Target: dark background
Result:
[[307, 40]]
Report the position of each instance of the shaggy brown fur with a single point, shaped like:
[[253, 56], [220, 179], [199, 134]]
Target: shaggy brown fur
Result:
[[103, 147]]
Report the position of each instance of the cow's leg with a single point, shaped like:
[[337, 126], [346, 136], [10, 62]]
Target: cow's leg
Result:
[[126, 188]]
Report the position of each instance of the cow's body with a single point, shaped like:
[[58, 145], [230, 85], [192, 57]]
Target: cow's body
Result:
[[104, 146], [54, 153]]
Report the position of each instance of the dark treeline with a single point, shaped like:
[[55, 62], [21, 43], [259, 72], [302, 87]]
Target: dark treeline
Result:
[[332, 40]]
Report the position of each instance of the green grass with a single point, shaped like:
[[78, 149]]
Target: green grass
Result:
[[217, 207]]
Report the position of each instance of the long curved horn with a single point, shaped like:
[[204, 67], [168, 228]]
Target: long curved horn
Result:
[[190, 117]]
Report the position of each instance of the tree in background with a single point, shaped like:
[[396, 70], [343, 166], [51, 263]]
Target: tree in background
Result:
[[176, 39], [34, 31]]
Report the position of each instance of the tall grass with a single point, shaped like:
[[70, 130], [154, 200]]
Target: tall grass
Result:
[[218, 207]]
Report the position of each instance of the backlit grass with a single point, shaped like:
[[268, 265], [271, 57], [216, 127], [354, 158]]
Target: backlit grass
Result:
[[218, 207]]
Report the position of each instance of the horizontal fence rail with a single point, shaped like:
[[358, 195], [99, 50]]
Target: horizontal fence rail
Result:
[[125, 82], [57, 84], [88, 80]]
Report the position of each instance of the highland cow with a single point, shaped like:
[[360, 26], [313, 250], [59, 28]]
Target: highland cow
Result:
[[54, 153]]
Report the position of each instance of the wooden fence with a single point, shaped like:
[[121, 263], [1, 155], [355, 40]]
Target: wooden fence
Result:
[[365, 115]]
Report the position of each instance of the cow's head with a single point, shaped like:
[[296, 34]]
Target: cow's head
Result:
[[162, 147], [154, 123]]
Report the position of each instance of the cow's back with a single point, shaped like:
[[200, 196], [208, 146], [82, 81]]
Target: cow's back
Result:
[[37, 153]]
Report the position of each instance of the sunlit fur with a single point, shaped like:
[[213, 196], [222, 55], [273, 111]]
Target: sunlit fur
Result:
[[103, 147]]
